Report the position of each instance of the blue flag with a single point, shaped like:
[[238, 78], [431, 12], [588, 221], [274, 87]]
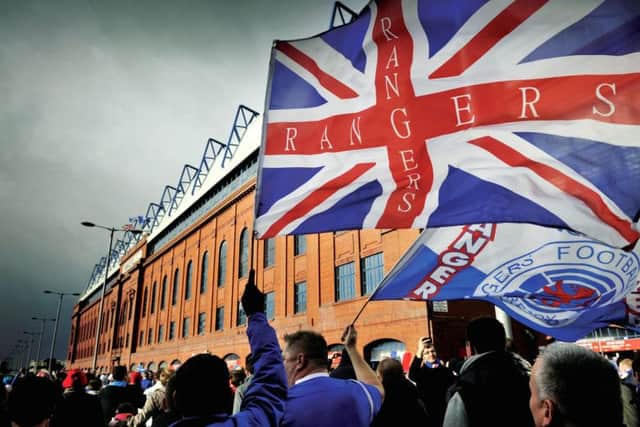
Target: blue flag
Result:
[[557, 282]]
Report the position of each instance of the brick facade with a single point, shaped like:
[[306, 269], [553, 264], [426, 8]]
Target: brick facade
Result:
[[140, 309]]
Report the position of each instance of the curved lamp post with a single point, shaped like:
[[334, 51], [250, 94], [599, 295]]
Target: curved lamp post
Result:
[[111, 231]]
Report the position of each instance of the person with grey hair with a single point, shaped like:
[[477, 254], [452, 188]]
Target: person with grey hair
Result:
[[572, 386]]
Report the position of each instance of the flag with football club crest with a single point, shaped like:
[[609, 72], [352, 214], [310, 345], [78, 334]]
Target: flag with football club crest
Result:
[[555, 281], [423, 113]]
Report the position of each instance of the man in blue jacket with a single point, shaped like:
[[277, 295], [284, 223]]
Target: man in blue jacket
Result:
[[317, 400], [200, 388]]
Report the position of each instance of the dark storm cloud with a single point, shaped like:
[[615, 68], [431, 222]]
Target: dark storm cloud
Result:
[[102, 104]]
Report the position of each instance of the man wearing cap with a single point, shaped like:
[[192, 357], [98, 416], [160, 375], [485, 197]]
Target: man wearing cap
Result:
[[77, 408]]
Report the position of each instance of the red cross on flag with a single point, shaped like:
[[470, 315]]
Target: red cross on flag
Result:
[[430, 113]]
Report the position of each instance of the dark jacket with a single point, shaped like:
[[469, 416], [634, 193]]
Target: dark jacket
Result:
[[344, 370], [402, 405], [494, 389], [77, 408], [432, 384], [629, 404], [112, 395], [263, 404]]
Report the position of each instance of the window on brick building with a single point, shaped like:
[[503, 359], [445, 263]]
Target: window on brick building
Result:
[[141, 340], [299, 245], [186, 325], [300, 297], [202, 322], [345, 282], [204, 273], [188, 280], [154, 290], [144, 301], [150, 336], [372, 268], [270, 305], [242, 317], [243, 259], [176, 284], [124, 313], [160, 334], [222, 264], [219, 318], [163, 293], [172, 330], [269, 252]]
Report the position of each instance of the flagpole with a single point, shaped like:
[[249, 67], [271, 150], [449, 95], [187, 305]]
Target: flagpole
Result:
[[362, 309], [429, 317], [252, 246], [365, 304]]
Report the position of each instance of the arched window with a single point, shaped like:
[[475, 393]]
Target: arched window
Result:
[[163, 293], [123, 315], [243, 262], [176, 283], [204, 272], [232, 360], [154, 289], [222, 264], [187, 283], [376, 351], [144, 301]]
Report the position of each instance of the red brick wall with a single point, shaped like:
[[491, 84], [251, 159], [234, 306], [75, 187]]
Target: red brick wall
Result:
[[397, 320]]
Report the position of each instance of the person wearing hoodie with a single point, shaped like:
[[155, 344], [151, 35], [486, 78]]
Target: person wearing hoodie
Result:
[[77, 407]]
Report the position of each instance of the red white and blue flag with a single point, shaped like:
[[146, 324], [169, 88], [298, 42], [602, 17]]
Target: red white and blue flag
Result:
[[424, 113], [557, 282]]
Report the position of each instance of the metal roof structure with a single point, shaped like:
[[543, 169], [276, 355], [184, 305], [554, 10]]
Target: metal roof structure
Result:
[[218, 159]]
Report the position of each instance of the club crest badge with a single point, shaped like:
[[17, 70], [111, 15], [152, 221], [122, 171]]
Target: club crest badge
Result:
[[552, 285]]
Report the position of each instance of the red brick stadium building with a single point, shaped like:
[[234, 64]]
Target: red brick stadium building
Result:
[[175, 290]]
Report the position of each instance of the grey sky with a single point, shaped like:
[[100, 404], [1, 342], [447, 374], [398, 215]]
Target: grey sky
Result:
[[101, 104]]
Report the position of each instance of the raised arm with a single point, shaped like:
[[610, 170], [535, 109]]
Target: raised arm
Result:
[[263, 405], [362, 369]]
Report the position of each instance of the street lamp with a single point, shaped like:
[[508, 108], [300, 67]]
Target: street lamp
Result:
[[21, 347], [31, 334], [111, 230], [43, 320], [55, 327]]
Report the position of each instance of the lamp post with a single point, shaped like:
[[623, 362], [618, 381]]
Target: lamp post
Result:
[[111, 231], [21, 348], [31, 334], [43, 320], [55, 327]]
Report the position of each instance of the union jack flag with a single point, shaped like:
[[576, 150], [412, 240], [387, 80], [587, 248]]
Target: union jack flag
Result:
[[424, 113]]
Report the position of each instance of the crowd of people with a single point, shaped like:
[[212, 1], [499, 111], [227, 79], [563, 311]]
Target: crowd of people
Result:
[[568, 386]]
